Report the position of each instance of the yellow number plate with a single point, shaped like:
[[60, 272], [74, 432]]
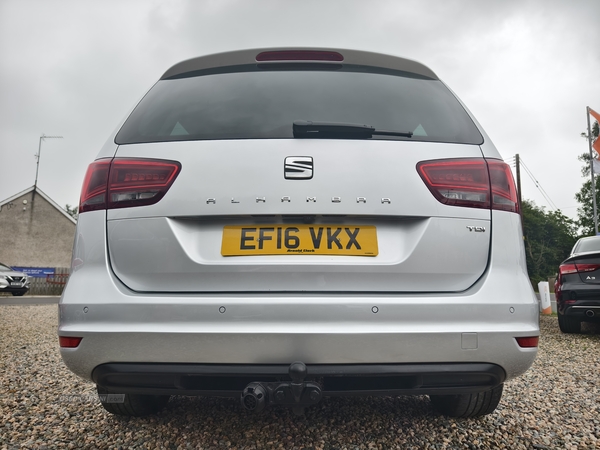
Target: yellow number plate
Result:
[[351, 240]]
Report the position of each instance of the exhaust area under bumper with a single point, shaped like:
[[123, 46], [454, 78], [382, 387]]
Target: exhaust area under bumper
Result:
[[230, 380]]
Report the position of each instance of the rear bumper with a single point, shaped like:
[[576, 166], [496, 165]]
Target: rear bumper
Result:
[[585, 310], [317, 330], [335, 380], [270, 328]]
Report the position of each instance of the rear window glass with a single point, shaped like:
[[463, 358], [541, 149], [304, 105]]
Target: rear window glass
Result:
[[587, 245], [263, 104]]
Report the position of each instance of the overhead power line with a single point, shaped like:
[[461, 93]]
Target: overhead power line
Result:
[[538, 185]]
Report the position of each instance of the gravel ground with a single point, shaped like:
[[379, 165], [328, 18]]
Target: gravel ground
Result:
[[43, 406]]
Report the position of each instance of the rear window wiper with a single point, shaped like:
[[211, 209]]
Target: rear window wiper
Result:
[[327, 130]]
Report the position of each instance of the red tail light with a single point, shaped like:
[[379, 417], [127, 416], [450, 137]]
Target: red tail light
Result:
[[565, 269], [474, 183], [504, 192], [587, 267], [299, 55], [69, 341], [93, 193], [528, 342], [124, 183]]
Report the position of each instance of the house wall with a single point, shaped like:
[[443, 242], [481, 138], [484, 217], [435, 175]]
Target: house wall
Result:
[[35, 234]]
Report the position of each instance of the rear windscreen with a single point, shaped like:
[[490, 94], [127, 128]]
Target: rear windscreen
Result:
[[247, 102], [588, 245]]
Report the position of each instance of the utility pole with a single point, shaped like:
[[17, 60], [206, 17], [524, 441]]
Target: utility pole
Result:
[[519, 198], [587, 110], [518, 163], [37, 168]]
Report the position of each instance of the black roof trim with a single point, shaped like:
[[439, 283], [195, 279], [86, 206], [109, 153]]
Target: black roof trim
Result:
[[243, 57]]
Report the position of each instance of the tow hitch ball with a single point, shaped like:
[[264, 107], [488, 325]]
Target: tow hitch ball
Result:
[[297, 393]]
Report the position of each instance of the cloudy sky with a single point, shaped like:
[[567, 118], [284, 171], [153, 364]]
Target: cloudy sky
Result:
[[74, 68]]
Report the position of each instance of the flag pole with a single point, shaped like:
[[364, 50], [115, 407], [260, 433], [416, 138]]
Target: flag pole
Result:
[[592, 170]]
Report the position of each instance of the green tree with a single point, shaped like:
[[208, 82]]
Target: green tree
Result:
[[549, 238], [585, 212], [73, 211]]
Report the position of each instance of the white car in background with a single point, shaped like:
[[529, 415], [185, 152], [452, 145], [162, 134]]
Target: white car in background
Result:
[[13, 281], [282, 225]]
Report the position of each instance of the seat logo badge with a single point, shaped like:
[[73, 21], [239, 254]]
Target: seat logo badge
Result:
[[298, 168], [476, 229]]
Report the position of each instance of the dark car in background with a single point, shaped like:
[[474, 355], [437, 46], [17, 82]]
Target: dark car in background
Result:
[[17, 283], [577, 286]]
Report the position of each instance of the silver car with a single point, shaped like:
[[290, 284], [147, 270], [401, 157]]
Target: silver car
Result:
[[282, 225]]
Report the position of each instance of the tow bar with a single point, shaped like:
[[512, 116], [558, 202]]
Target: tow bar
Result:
[[298, 393]]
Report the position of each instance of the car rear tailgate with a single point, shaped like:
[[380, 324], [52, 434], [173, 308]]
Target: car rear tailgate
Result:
[[421, 245]]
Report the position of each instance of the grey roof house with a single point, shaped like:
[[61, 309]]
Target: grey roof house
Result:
[[35, 231]]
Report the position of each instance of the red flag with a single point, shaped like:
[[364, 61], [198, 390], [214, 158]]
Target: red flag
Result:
[[595, 145]]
